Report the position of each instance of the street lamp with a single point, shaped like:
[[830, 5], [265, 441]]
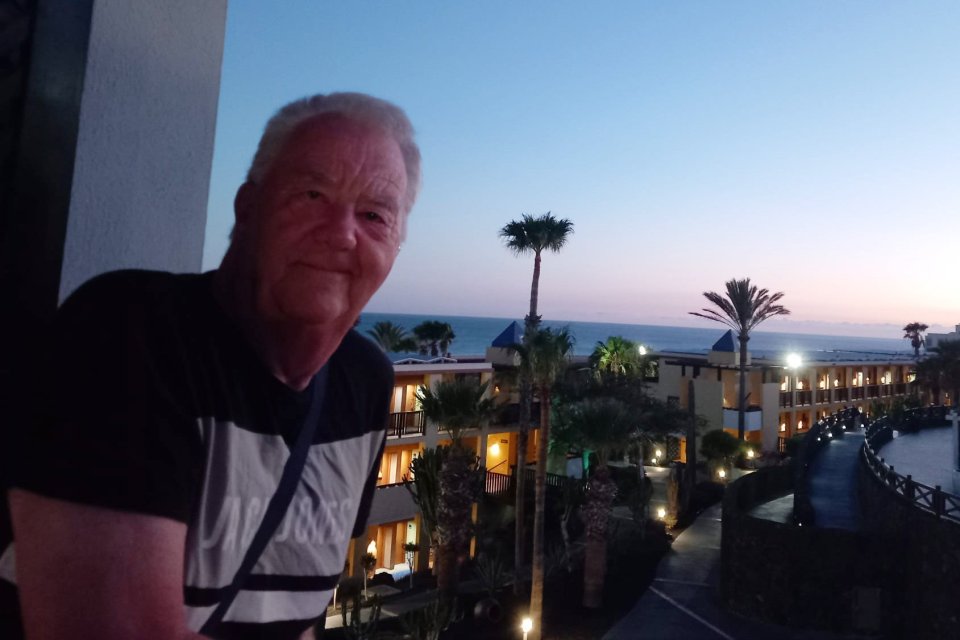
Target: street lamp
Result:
[[526, 626], [794, 360]]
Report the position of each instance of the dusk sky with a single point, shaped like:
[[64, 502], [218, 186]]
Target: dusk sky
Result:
[[812, 146]]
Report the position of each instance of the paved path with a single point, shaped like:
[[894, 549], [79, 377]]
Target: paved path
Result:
[[833, 483], [682, 603], [925, 455]]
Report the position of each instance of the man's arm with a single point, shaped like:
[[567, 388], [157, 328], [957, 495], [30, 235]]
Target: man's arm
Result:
[[89, 572]]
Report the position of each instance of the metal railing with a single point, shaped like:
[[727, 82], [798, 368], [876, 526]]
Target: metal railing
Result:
[[804, 397], [405, 423], [498, 483], [786, 398], [932, 499]]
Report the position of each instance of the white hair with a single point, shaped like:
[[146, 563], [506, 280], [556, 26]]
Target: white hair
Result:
[[356, 106]]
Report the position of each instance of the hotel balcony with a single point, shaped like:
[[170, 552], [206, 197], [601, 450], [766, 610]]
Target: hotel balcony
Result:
[[392, 502], [405, 424], [786, 398], [841, 394], [804, 397]]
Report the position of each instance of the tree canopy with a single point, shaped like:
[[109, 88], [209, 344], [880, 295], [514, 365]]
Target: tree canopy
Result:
[[914, 333]]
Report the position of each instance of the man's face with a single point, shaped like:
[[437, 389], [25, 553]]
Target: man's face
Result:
[[323, 224]]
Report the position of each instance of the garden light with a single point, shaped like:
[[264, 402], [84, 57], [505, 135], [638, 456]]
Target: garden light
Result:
[[642, 350], [722, 474], [661, 513], [658, 453], [750, 453], [526, 626]]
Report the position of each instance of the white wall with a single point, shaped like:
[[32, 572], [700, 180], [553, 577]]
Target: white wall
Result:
[[145, 140]]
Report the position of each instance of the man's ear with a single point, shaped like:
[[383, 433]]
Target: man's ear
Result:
[[243, 203]]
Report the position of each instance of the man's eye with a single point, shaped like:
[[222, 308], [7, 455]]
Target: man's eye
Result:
[[373, 216], [313, 195]]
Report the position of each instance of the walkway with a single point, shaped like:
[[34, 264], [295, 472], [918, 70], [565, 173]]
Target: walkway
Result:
[[925, 455], [683, 602], [833, 483]]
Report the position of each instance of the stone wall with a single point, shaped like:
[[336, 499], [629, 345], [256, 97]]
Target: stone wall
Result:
[[795, 576], [924, 584]]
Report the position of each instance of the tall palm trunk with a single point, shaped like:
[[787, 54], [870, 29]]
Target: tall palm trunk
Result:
[[520, 537], [532, 319], [540, 495], [741, 412], [690, 471], [594, 572], [596, 515]]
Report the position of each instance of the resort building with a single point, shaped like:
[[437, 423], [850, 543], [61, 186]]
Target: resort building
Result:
[[783, 398], [394, 517], [931, 340]]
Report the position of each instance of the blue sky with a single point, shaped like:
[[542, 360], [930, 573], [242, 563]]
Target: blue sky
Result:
[[812, 146]]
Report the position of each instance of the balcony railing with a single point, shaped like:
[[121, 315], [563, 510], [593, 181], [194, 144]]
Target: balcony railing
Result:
[[510, 414], [786, 398], [841, 394], [856, 393], [405, 423], [873, 390], [804, 397], [498, 483], [823, 396]]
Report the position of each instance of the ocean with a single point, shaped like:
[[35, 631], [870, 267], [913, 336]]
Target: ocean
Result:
[[474, 335]]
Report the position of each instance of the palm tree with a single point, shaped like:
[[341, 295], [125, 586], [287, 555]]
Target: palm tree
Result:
[[944, 365], [456, 405], [617, 355], [434, 337], [601, 425], [742, 309], [531, 234], [546, 354], [914, 333], [391, 337]]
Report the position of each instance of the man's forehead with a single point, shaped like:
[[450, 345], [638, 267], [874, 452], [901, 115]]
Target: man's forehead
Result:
[[330, 143]]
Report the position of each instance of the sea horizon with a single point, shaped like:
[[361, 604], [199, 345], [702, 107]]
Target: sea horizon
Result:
[[475, 333]]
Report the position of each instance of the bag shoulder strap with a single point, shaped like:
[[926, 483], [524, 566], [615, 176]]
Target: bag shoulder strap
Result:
[[277, 509]]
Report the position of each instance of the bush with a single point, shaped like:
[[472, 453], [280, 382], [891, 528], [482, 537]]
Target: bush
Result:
[[719, 446], [792, 445]]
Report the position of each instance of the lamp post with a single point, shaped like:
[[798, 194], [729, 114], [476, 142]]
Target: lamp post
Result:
[[526, 626]]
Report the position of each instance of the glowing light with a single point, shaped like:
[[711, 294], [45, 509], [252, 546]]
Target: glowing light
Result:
[[794, 360], [721, 474], [799, 424], [642, 350], [527, 625], [495, 449], [750, 453], [836, 382], [658, 453], [783, 426], [661, 513], [372, 548]]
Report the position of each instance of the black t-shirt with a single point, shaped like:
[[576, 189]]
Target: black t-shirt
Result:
[[153, 403]]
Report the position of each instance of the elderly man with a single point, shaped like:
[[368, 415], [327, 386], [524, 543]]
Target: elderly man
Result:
[[178, 404]]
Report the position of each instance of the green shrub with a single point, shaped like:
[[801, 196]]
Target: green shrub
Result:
[[719, 446]]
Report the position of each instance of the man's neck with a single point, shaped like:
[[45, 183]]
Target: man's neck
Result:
[[292, 352]]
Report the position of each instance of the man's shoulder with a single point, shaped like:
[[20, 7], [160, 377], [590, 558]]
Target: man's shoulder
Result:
[[359, 354], [121, 296], [118, 287]]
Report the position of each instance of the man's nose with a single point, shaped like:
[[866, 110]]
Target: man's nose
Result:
[[339, 228]]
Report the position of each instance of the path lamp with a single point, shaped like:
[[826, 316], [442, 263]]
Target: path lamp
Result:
[[526, 626]]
